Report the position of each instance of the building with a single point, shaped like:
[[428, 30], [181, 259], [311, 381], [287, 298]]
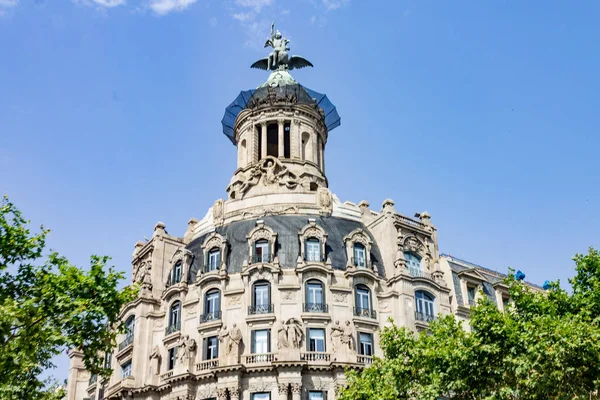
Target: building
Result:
[[281, 286]]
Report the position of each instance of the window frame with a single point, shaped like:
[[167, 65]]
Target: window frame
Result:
[[322, 393], [214, 259], [261, 308], [124, 367], [177, 272], [357, 295], [215, 301], [254, 342], [265, 249], [130, 326], [361, 343], [171, 358], [214, 353], [175, 322], [312, 341], [254, 396], [425, 304], [311, 303], [310, 245], [358, 247]]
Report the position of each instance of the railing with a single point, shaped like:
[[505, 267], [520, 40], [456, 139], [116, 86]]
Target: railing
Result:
[[419, 316], [311, 257], [410, 222], [315, 356], [360, 263], [419, 273], [259, 358], [213, 316], [261, 258], [315, 307], [260, 309], [368, 360], [173, 328], [93, 379], [209, 268], [128, 340], [365, 312], [166, 375], [207, 365]]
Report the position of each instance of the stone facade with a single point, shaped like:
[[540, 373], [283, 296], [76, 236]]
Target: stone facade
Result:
[[281, 286]]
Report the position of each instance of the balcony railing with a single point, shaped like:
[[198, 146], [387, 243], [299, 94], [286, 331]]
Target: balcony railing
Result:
[[365, 312], [166, 375], [260, 309], [128, 340], [173, 328], [259, 358], [360, 263], [315, 356], [419, 273], [315, 308], [207, 365], [312, 257], [209, 268], [367, 360], [212, 316], [419, 316], [262, 258]]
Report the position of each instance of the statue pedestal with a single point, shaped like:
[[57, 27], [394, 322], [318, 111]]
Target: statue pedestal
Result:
[[288, 354]]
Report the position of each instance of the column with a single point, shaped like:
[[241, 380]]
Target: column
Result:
[[280, 141], [283, 389], [263, 133], [296, 391], [315, 153], [295, 139]]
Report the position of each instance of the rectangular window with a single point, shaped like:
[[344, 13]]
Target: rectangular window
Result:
[[107, 360], [261, 396], [316, 339], [126, 370], [313, 250], [261, 250], [214, 260], [211, 352], [365, 347], [172, 358], [471, 295], [177, 273], [313, 395], [261, 295], [359, 255], [505, 303], [261, 341]]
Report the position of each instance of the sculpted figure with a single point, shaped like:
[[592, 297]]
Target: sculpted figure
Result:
[[336, 333], [279, 45], [294, 331], [252, 180], [182, 350], [346, 337], [282, 335], [155, 359], [235, 339]]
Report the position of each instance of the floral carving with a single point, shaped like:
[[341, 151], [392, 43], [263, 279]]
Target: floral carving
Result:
[[340, 297]]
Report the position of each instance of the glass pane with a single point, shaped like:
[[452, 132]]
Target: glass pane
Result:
[[315, 396], [261, 295], [314, 293], [261, 396], [261, 341], [313, 250]]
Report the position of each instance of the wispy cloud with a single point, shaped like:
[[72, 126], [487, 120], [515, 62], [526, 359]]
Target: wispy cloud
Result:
[[101, 4], [163, 7], [255, 26], [5, 5], [256, 5], [331, 5]]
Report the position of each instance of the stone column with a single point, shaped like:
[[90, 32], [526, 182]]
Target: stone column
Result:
[[263, 132], [281, 141], [283, 390], [234, 392], [315, 154], [296, 391], [255, 151]]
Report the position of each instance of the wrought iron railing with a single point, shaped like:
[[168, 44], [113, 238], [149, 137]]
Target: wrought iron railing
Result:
[[173, 328], [261, 309], [312, 257], [262, 258], [211, 316], [315, 307], [209, 268], [420, 316], [365, 312], [419, 273], [128, 340]]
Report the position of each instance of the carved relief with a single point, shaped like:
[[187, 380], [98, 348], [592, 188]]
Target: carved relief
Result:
[[289, 333], [324, 200], [232, 340], [340, 297], [270, 171], [186, 347], [222, 393], [259, 385], [414, 245], [270, 210], [283, 388], [384, 305], [207, 392], [289, 295], [296, 388], [234, 300], [218, 216], [155, 360], [341, 337]]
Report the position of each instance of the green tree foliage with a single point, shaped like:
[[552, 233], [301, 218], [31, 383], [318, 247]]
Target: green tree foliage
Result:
[[48, 306], [545, 346]]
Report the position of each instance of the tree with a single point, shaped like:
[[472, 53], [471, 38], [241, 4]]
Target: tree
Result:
[[48, 305], [545, 346]]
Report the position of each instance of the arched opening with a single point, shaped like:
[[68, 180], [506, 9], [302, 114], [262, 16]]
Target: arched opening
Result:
[[305, 146], [360, 255], [424, 306], [363, 303], [318, 155], [312, 251], [272, 140], [315, 297], [261, 298], [129, 326], [243, 151], [414, 264], [174, 317], [212, 305], [214, 259], [286, 140], [258, 136]]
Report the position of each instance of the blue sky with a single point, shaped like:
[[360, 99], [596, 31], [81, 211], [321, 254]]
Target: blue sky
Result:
[[484, 113]]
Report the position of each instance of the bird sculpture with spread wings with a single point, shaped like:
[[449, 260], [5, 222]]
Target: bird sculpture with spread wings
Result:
[[279, 59]]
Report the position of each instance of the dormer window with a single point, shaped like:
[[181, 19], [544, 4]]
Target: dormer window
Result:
[[471, 291], [214, 259], [313, 250], [413, 262], [359, 255], [261, 251], [176, 273]]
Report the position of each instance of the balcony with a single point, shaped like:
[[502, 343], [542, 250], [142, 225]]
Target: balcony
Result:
[[207, 365], [314, 257], [315, 308], [260, 309], [365, 312], [362, 359], [252, 359], [173, 328], [315, 356], [419, 316], [419, 273], [166, 375], [262, 258], [128, 340], [209, 268], [213, 316]]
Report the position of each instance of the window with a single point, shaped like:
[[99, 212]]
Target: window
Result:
[[172, 358], [424, 305], [211, 348], [261, 251], [212, 306], [313, 250], [174, 318], [214, 259], [273, 140], [261, 302], [471, 295], [129, 326], [176, 274], [359, 255], [261, 396], [365, 344], [505, 303], [286, 140], [413, 262], [312, 395], [126, 370], [107, 360], [316, 340], [315, 301], [363, 299], [261, 341], [93, 397]]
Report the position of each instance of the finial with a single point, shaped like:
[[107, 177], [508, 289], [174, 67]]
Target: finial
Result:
[[278, 59]]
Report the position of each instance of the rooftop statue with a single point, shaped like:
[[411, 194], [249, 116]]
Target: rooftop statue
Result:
[[278, 59]]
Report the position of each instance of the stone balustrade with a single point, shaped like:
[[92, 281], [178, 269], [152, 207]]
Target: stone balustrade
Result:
[[259, 358]]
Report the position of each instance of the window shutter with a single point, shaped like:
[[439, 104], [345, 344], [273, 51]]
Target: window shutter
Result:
[[269, 295], [218, 301], [268, 340], [253, 344], [205, 347], [308, 339]]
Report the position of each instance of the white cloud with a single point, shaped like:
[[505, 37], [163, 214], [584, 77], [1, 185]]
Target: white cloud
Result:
[[5, 5], [313, 19], [102, 4], [244, 16], [163, 7], [257, 5], [213, 21], [331, 5]]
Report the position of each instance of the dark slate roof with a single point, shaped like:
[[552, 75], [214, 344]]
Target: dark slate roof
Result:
[[287, 228]]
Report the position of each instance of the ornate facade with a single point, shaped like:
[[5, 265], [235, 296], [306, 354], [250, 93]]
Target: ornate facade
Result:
[[281, 286]]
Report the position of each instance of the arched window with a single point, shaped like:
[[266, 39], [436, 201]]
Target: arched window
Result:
[[130, 326], [306, 146], [315, 297], [243, 154], [273, 140], [363, 304], [176, 273], [174, 317], [214, 259], [212, 306], [424, 306], [261, 298], [413, 262], [313, 250], [360, 255], [261, 251]]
